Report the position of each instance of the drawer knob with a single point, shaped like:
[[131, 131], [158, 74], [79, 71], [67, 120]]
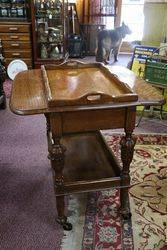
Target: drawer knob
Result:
[[15, 44], [13, 28], [14, 37], [16, 54]]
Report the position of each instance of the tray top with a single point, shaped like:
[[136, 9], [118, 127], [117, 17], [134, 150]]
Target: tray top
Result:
[[29, 95], [73, 83], [84, 84]]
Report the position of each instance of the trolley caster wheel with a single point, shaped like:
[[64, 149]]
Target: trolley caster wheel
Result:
[[63, 222], [67, 226], [126, 216], [3, 105]]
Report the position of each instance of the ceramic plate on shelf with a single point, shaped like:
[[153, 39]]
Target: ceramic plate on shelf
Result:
[[15, 67]]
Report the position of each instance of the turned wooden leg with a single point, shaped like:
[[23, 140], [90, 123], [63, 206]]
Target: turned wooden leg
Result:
[[57, 157], [62, 219], [127, 150]]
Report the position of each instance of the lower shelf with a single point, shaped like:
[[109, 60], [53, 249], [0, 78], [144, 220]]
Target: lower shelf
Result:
[[89, 164]]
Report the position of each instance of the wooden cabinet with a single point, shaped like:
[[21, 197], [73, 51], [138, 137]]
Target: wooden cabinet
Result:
[[16, 40], [40, 36], [15, 31], [49, 29]]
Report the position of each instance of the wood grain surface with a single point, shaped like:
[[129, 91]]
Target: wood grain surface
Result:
[[84, 84], [28, 93]]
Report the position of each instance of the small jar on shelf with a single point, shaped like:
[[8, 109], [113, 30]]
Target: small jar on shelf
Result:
[[4, 10], [13, 9], [21, 10]]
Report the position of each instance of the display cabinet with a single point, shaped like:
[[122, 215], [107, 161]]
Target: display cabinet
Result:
[[49, 28], [15, 31]]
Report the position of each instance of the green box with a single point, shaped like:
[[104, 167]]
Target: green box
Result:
[[155, 71]]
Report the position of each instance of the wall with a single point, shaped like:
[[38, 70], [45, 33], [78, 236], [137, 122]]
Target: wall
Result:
[[79, 6], [155, 23]]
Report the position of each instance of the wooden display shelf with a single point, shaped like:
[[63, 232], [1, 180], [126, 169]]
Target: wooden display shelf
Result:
[[96, 165]]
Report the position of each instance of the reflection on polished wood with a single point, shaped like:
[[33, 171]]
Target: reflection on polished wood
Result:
[[88, 153], [80, 158], [84, 84], [28, 85]]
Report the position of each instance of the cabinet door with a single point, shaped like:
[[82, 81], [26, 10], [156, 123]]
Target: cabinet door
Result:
[[49, 30]]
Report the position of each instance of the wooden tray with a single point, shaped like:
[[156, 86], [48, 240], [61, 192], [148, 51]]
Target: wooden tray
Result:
[[76, 83]]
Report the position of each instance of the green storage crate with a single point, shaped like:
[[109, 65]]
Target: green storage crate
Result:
[[156, 70]]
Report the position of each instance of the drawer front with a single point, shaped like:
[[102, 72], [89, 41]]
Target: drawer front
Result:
[[27, 61], [92, 120], [15, 37], [14, 28], [14, 45], [17, 54]]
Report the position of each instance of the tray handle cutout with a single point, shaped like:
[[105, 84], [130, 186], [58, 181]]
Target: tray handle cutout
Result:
[[73, 63], [96, 97], [93, 97]]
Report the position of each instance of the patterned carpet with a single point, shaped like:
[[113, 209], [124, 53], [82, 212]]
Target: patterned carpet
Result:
[[97, 224], [148, 197]]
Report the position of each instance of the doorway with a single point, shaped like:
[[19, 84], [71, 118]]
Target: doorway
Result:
[[133, 16]]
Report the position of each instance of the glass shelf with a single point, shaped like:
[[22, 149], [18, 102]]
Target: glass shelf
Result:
[[49, 29]]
